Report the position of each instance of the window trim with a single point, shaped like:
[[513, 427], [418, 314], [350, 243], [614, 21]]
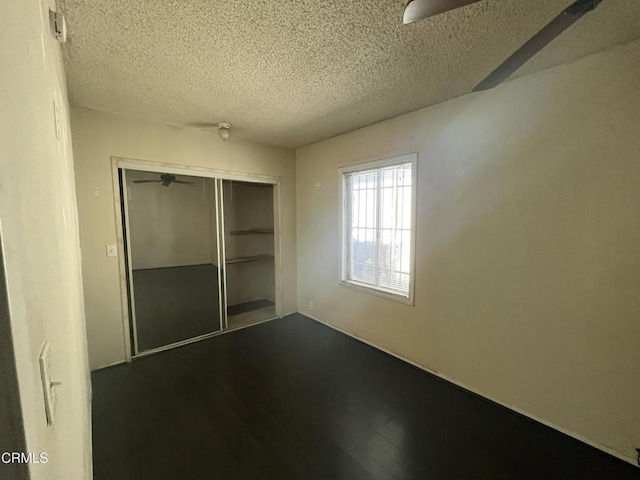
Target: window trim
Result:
[[366, 288]]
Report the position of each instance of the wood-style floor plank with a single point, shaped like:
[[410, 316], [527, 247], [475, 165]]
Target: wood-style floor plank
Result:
[[293, 399]]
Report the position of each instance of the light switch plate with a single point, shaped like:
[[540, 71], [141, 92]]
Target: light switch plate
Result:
[[112, 250], [48, 386]]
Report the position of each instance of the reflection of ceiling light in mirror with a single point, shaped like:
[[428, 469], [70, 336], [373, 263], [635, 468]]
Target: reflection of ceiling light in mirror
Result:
[[224, 130]]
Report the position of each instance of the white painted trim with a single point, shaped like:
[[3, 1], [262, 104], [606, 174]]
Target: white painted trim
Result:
[[610, 451], [377, 291], [122, 268], [220, 259], [177, 169], [223, 240], [379, 162], [129, 261]]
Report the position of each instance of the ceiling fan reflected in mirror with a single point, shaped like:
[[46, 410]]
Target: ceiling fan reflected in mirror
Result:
[[166, 180], [420, 9]]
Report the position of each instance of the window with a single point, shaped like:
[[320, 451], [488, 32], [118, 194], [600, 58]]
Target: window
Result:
[[378, 234]]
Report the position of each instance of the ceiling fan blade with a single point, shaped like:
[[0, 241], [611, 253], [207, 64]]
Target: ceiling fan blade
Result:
[[147, 181], [189, 184], [419, 9], [536, 43]]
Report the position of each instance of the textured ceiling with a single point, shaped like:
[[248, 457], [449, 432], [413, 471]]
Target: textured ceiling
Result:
[[293, 72]]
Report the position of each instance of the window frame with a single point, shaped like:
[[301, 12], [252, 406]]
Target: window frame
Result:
[[371, 165]]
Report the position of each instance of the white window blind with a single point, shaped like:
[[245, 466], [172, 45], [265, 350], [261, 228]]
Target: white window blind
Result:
[[377, 226]]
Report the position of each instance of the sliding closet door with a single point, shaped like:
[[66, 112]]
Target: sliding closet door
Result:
[[221, 252], [173, 255]]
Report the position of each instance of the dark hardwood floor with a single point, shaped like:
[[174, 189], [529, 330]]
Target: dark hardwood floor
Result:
[[293, 399]]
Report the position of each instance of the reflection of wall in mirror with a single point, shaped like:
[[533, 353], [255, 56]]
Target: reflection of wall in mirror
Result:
[[170, 226]]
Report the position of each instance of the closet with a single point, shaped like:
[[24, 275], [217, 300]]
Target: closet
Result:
[[249, 251], [199, 256]]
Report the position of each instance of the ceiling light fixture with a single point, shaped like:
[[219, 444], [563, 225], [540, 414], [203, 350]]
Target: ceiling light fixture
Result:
[[419, 9], [224, 130]]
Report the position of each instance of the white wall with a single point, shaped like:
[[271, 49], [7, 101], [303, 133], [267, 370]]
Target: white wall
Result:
[[96, 137], [528, 259], [170, 226], [41, 249]]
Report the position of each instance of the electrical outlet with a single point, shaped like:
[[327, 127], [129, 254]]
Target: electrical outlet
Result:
[[310, 305]]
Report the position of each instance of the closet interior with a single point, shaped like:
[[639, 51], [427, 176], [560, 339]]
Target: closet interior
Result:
[[249, 250]]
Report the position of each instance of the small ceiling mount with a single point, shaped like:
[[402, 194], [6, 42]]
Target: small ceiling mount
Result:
[[224, 130]]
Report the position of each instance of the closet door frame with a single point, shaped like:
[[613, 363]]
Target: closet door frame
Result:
[[121, 163], [131, 304]]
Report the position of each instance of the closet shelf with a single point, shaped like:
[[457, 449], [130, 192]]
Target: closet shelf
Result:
[[252, 231], [250, 258]]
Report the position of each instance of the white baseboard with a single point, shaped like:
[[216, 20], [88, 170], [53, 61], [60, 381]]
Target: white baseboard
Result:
[[631, 460]]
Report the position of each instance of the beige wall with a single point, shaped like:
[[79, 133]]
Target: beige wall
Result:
[[41, 248], [170, 226], [96, 137], [528, 258]]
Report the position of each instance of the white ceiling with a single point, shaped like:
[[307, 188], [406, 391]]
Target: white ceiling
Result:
[[293, 72]]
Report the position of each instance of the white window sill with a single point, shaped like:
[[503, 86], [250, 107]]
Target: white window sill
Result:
[[378, 292]]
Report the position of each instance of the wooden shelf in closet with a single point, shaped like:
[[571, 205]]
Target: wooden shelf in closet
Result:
[[250, 258], [252, 231]]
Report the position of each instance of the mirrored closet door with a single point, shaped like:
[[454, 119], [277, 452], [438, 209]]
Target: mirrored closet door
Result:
[[199, 256]]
